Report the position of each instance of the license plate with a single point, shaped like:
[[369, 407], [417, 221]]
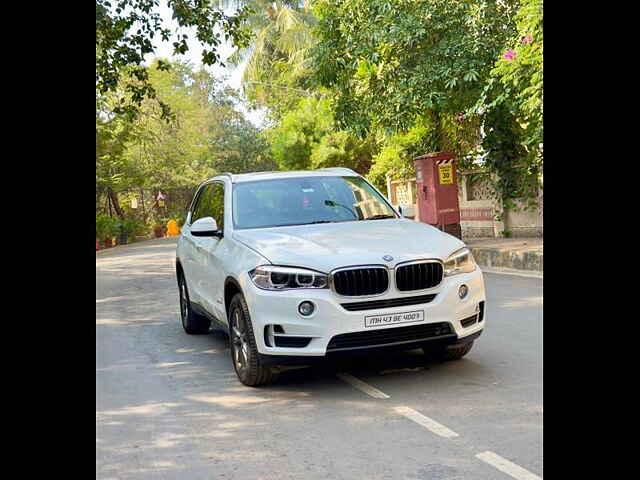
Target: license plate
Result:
[[393, 318]]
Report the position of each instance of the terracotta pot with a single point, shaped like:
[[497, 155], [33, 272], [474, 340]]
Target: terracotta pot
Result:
[[108, 242], [157, 231]]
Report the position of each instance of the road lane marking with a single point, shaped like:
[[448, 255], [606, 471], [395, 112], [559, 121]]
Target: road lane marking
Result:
[[506, 466], [362, 386], [426, 422]]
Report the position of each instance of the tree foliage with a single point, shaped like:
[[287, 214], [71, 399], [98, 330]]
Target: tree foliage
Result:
[[520, 71], [364, 84], [277, 61], [512, 110], [207, 135], [306, 138], [392, 61], [343, 149], [397, 152], [112, 170], [432, 75], [299, 132], [126, 29]]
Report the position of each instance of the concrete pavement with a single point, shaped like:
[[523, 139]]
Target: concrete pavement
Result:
[[168, 405]]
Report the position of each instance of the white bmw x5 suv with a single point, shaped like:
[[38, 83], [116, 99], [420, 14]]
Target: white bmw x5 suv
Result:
[[295, 266]]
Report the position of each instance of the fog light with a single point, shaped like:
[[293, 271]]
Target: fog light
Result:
[[306, 308], [463, 291]]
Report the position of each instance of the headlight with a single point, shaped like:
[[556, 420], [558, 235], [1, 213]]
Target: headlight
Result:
[[272, 277], [460, 261]]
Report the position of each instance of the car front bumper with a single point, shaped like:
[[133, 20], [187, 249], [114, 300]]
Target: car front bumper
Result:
[[331, 319]]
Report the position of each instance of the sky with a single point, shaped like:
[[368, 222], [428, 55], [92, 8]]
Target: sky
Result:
[[194, 54]]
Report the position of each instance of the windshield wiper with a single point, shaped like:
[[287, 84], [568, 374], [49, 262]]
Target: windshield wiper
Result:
[[331, 203], [379, 217], [319, 221]]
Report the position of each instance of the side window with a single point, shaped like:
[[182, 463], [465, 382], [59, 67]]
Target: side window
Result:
[[197, 207], [211, 204]]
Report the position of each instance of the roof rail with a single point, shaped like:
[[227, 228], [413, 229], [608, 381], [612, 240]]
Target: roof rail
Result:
[[227, 174], [338, 169]]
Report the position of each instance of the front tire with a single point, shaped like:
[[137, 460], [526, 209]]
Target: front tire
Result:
[[192, 323], [244, 352]]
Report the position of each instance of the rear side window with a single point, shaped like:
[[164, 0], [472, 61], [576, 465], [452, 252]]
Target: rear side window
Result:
[[210, 203]]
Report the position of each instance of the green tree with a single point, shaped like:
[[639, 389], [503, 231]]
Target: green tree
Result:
[[343, 149], [125, 30], [520, 72], [299, 132], [306, 138], [391, 62], [277, 58], [172, 154], [397, 152], [422, 76], [242, 148], [207, 135], [512, 110], [114, 171]]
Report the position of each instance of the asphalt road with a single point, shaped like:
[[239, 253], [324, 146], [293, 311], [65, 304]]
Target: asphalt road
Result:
[[169, 406]]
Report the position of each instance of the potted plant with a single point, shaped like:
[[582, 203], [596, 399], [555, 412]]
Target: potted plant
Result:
[[158, 230], [101, 229], [126, 230], [119, 232], [134, 228], [110, 230], [144, 229]]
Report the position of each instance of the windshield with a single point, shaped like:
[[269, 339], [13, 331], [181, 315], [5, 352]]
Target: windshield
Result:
[[306, 200]]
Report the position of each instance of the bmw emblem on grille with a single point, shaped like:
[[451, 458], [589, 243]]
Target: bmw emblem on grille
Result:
[[387, 258]]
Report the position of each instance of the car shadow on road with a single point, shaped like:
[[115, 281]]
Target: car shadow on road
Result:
[[385, 368]]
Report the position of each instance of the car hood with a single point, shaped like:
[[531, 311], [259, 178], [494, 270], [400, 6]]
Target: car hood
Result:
[[324, 247]]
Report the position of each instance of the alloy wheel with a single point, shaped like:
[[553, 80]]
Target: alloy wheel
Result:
[[184, 303], [240, 342]]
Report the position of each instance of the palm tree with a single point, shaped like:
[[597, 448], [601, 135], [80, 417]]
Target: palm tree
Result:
[[276, 62]]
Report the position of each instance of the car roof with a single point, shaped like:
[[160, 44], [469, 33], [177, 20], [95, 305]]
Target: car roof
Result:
[[322, 172]]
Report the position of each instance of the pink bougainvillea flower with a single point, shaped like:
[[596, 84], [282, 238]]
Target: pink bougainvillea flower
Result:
[[527, 39], [510, 55]]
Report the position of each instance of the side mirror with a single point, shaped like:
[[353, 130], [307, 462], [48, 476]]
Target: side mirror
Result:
[[406, 211], [205, 227]]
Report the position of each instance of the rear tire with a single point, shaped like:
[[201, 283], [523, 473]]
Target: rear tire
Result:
[[193, 323], [244, 352], [451, 352]]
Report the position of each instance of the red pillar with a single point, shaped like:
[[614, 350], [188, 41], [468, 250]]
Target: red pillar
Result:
[[437, 191]]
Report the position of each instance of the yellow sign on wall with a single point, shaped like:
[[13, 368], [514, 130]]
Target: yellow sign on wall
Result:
[[445, 172]]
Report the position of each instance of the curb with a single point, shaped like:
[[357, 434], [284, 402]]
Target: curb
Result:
[[513, 272], [512, 260], [121, 246]]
